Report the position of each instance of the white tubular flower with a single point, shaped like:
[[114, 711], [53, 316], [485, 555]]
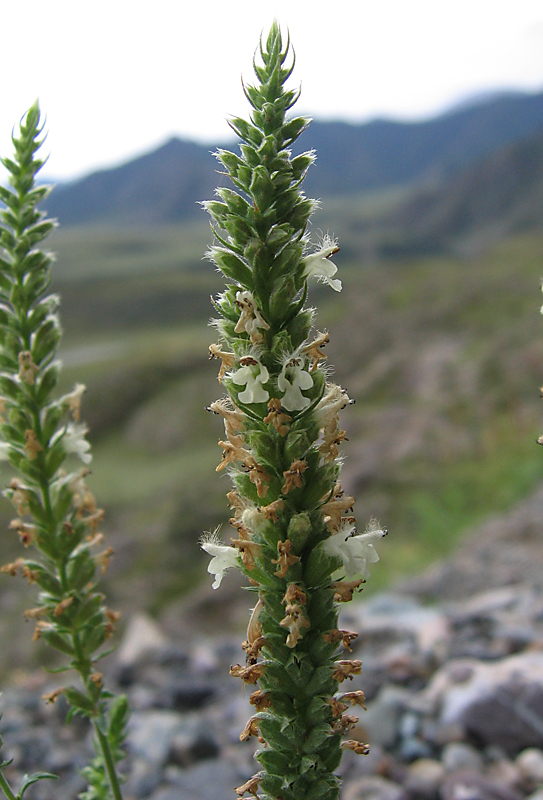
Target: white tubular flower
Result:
[[223, 556], [356, 551], [334, 399], [252, 374], [74, 442], [73, 400], [318, 265], [291, 381], [250, 319]]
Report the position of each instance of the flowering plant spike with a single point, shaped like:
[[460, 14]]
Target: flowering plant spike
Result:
[[295, 538], [57, 519]]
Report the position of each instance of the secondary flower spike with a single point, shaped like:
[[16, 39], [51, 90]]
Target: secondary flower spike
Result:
[[42, 437], [293, 533]]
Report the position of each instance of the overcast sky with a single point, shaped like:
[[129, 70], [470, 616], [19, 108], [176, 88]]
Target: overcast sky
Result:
[[118, 77]]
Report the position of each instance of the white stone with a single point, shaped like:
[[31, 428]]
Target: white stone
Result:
[[141, 636]]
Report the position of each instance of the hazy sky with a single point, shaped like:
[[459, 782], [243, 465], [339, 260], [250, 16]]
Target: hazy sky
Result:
[[118, 77]]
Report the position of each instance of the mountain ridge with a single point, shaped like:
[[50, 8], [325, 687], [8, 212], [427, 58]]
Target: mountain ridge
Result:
[[165, 185]]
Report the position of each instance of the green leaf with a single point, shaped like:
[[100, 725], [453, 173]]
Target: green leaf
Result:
[[56, 670], [80, 570], [47, 381], [262, 188], [80, 701], [28, 780], [300, 164], [274, 762], [307, 763], [293, 129], [246, 131], [231, 266], [91, 640], [44, 578], [119, 712], [45, 340], [88, 609], [235, 202], [9, 386], [58, 641]]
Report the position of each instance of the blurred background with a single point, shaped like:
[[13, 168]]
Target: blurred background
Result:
[[428, 125]]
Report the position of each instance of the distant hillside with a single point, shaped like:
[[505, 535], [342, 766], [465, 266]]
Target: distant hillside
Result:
[[498, 196], [354, 158], [160, 187], [164, 186]]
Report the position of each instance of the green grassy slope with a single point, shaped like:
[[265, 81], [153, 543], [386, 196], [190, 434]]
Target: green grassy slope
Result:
[[444, 358]]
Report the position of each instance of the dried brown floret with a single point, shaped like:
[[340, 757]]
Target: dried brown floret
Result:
[[285, 559], [250, 674], [346, 669], [359, 748], [293, 476], [277, 417], [343, 590]]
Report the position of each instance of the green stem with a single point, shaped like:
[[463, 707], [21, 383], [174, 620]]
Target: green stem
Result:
[[108, 761], [6, 788]]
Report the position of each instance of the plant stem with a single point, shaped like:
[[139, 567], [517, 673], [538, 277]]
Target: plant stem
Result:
[[6, 788], [109, 762]]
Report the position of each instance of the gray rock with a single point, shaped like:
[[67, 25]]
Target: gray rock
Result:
[[371, 788], [505, 772], [150, 734], [171, 793], [461, 756], [390, 618], [66, 788], [188, 695], [380, 721], [143, 778], [30, 748], [471, 786], [424, 778], [192, 744], [141, 636], [530, 764], [413, 748], [211, 780], [498, 703], [511, 716], [409, 725]]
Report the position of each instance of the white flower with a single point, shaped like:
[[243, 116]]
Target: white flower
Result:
[[334, 399], [4, 451], [73, 400], [291, 381], [74, 442], [223, 557], [356, 551], [252, 374], [318, 265], [250, 318]]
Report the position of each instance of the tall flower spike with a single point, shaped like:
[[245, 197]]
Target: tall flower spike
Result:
[[286, 494]]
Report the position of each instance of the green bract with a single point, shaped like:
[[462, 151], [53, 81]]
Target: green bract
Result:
[[295, 538]]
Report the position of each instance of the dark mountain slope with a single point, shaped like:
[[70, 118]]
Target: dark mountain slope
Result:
[[500, 195], [158, 188], [164, 186], [352, 158]]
